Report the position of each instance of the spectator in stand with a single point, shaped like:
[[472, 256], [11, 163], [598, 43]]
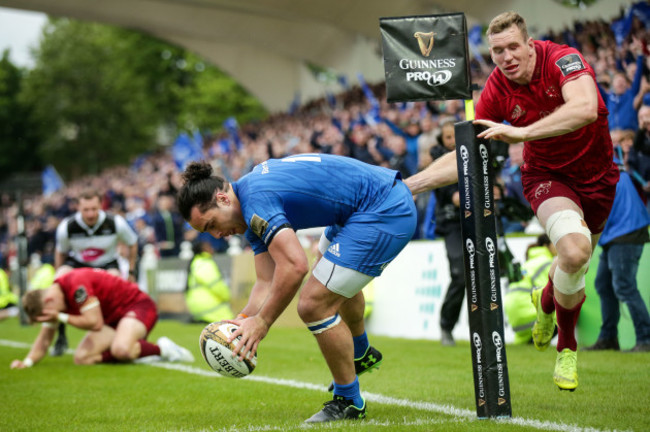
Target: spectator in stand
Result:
[[410, 131], [513, 190], [398, 156], [168, 227], [639, 157], [363, 144], [620, 100], [622, 243]]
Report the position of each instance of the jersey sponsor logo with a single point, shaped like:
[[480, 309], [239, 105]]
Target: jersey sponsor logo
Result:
[[517, 112], [91, 254], [80, 295], [335, 250], [258, 225], [543, 189], [569, 64]]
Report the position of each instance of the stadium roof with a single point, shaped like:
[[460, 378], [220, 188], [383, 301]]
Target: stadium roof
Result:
[[266, 44]]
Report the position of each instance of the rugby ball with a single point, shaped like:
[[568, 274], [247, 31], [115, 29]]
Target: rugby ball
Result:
[[217, 352]]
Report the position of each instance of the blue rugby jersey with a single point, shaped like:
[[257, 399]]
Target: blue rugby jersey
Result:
[[306, 191]]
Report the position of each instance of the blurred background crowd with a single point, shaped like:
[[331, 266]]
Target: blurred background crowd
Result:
[[358, 123]]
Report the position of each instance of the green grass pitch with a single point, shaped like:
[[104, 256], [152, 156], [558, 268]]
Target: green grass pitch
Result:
[[421, 386]]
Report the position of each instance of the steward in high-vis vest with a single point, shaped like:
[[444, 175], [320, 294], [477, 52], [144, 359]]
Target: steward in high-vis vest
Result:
[[43, 277], [519, 310], [208, 295], [8, 300]]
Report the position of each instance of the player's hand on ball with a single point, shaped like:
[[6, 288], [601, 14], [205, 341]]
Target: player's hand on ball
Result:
[[252, 331]]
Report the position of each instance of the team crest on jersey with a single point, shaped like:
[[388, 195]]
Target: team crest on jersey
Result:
[[80, 295], [517, 112], [569, 64], [543, 189], [258, 225], [552, 92]]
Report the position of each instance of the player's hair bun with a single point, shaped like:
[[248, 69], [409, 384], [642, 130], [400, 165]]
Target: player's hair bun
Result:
[[197, 171]]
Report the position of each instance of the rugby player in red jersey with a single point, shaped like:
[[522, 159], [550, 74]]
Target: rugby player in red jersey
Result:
[[117, 315], [547, 95]]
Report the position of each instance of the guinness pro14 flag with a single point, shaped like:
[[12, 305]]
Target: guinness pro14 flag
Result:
[[426, 57]]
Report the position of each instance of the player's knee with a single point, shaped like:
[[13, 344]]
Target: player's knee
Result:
[[82, 358], [307, 308], [574, 253], [571, 237]]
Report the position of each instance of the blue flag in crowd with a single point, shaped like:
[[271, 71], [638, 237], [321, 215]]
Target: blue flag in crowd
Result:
[[331, 99], [474, 39], [198, 139], [185, 151], [51, 179], [295, 103], [373, 115], [475, 35], [224, 146], [232, 128], [642, 11], [139, 161], [622, 27], [343, 80]]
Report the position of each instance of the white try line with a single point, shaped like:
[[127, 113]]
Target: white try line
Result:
[[449, 410]]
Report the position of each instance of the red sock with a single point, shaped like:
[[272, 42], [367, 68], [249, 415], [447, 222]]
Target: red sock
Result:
[[148, 349], [107, 357], [566, 326], [548, 302]]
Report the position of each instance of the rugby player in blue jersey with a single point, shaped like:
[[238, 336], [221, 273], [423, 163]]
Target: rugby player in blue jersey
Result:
[[370, 216]]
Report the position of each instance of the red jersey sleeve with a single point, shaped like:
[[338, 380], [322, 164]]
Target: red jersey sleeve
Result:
[[566, 64], [77, 289]]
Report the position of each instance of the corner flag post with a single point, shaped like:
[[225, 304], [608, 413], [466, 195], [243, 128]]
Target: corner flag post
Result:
[[426, 58]]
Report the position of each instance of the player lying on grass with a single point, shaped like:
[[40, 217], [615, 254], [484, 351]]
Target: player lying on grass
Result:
[[371, 217], [117, 315]]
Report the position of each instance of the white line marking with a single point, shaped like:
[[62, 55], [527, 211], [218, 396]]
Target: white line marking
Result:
[[458, 413]]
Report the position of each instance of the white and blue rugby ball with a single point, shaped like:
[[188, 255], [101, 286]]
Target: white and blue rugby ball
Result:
[[217, 352]]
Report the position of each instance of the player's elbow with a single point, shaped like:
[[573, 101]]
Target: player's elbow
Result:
[[588, 111], [96, 325]]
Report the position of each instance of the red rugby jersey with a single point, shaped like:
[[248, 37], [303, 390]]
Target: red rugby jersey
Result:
[[115, 294], [583, 155]]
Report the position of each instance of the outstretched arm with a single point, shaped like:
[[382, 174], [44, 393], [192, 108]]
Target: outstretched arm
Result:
[[39, 348], [579, 109], [442, 172], [290, 268]]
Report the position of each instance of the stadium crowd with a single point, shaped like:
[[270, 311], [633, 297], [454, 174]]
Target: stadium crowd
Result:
[[358, 123]]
